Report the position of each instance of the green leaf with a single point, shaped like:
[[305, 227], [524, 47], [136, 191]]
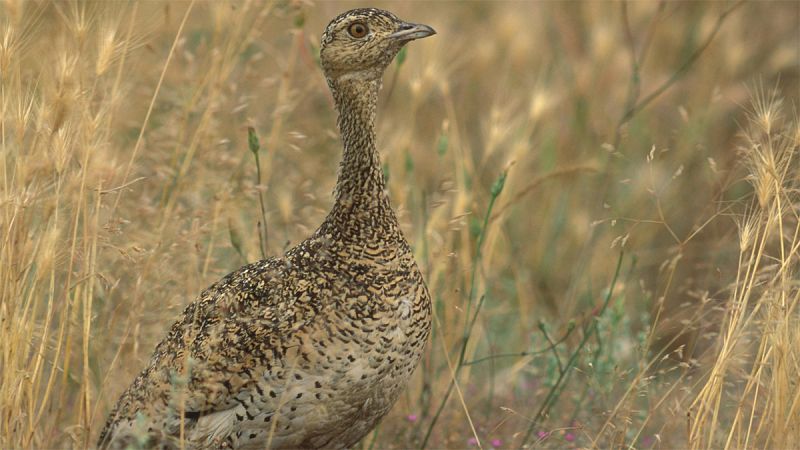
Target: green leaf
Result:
[[497, 187], [401, 56], [299, 20], [252, 140], [386, 172], [315, 53], [474, 227], [236, 238]]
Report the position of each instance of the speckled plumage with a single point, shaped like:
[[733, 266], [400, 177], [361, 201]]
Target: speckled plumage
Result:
[[309, 350]]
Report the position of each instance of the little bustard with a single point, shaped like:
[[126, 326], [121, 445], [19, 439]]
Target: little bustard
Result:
[[311, 349]]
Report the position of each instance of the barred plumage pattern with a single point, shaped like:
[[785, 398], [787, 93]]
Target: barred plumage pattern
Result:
[[311, 349]]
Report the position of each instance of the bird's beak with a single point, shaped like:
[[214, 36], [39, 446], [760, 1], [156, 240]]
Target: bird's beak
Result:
[[410, 31]]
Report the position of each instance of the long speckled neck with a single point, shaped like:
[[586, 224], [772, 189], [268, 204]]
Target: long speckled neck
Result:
[[361, 208]]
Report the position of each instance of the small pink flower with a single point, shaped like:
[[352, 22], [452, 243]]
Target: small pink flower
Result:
[[569, 437], [472, 442], [496, 443], [648, 441], [412, 417], [543, 435]]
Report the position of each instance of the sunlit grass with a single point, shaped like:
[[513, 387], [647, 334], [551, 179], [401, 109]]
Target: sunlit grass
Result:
[[664, 134]]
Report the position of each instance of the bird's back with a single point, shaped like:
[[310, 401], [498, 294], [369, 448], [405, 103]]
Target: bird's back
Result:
[[305, 351]]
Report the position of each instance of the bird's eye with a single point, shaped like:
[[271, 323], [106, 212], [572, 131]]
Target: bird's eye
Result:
[[357, 30]]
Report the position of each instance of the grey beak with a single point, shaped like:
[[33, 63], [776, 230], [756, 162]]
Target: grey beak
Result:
[[410, 31]]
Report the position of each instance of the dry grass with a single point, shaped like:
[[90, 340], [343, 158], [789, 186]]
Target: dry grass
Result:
[[127, 187]]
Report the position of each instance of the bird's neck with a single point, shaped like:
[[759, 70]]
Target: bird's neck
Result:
[[361, 210]]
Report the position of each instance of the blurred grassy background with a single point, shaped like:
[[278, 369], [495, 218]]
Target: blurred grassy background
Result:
[[127, 188]]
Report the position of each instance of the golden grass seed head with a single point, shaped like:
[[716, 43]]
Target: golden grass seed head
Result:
[[107, 48], [765, 110], [49, 249], [541, 102], [78, 19], [767, 152], [63, 147], [748, 229], [61, 92], [7, 50], [23, 111]]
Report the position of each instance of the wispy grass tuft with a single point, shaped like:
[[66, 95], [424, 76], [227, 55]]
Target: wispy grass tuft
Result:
[[759, 333]]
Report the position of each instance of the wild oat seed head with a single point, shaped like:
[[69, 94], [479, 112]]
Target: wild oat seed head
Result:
[[747, 227], [6, 48], [107, 48], [766, 109]]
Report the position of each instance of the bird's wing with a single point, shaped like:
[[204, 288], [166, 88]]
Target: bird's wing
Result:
[[241, 325], [225, 340]]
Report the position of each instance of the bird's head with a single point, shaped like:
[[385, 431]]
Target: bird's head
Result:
[[359, 44]]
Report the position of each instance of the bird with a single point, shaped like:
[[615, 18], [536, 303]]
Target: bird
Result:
[[312, 348]]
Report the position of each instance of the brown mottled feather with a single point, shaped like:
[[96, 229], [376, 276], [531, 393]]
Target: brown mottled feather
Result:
[[309, 350]]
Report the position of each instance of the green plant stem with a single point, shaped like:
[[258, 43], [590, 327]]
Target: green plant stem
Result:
[[634, 104], [589, 330], [255, 146], [581, 398], [549, 348], [552, 346], [497, 188]]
